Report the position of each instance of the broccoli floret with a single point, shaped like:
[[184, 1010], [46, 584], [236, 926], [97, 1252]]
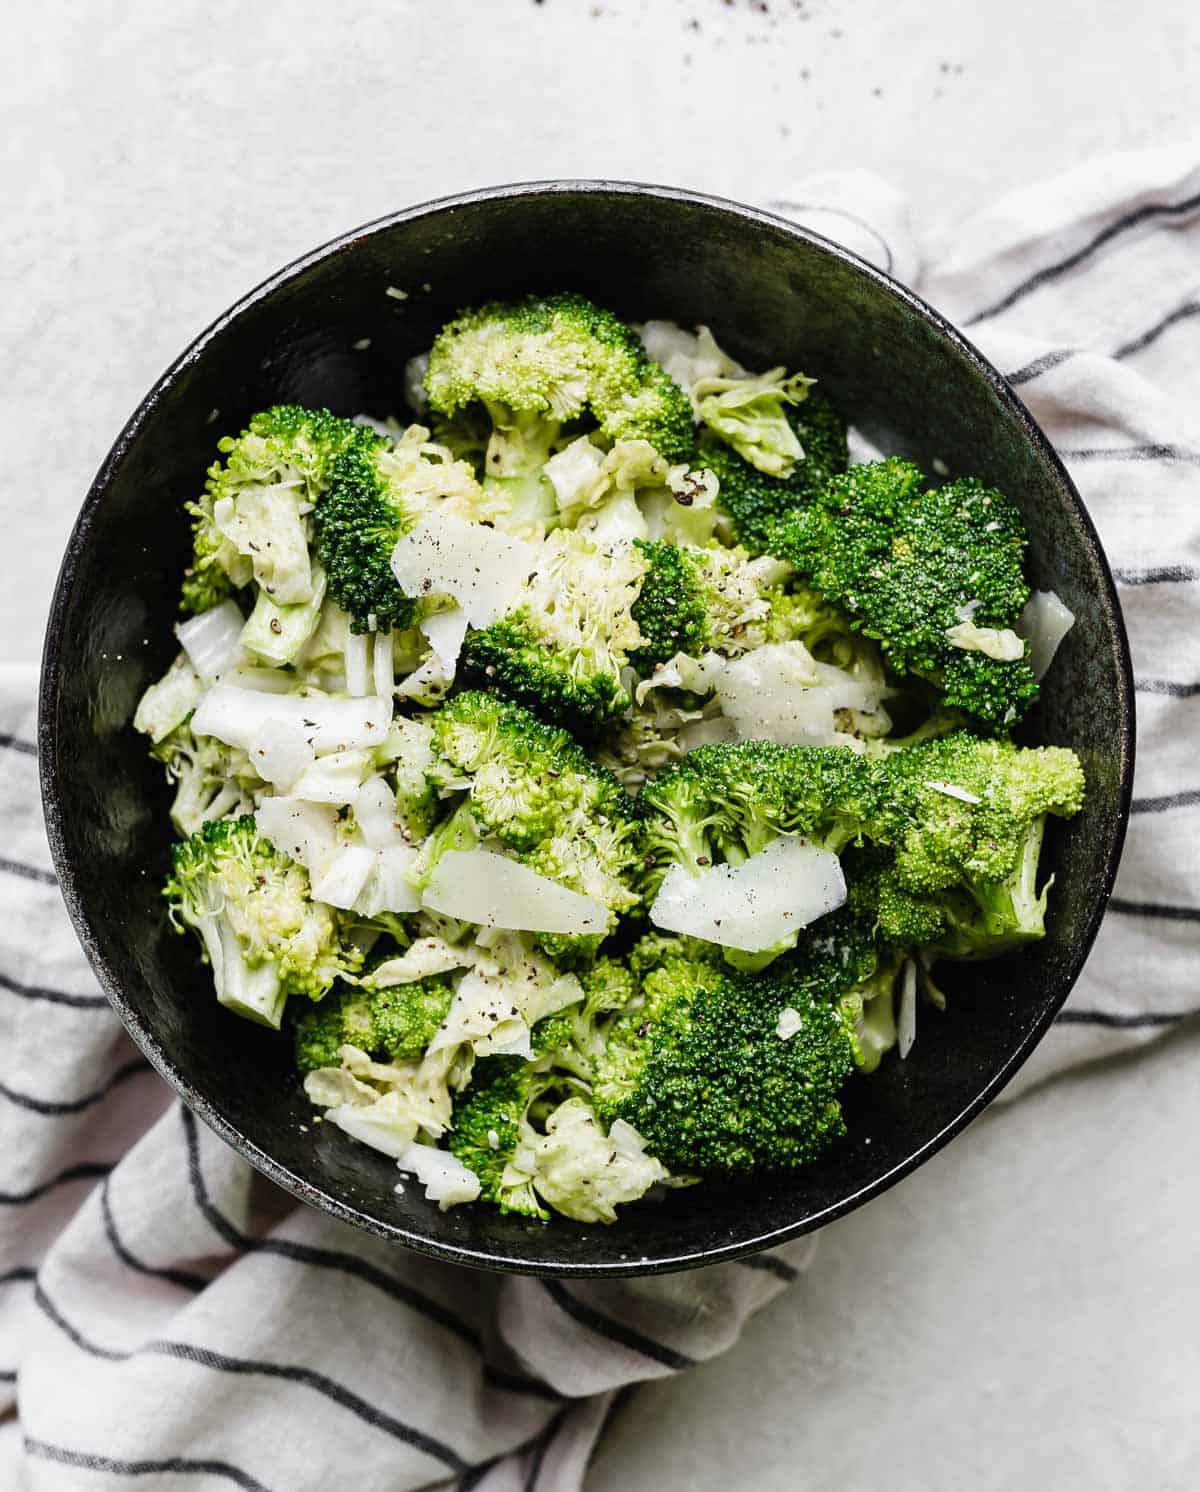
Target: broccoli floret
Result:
[[703, 1071], [250, 521], [537, 365], [693, 600], [533, 788], [378, 490], [491, 1125], [570, 1040], [393, 1024], [561, 648], [252, 907], [934, 575], [756, 502], [727, 802], [974, 813]]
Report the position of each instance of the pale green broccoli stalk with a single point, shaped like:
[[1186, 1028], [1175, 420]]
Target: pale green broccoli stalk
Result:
[[250, 522], [276, 635], [252, 908], [212, 780]]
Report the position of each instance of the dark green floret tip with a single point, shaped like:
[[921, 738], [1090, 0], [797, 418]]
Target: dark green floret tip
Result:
[[700, 1070], [357, 527], [756, 502], [510, 657], [390, 1025], [909, 563], [670, 610]]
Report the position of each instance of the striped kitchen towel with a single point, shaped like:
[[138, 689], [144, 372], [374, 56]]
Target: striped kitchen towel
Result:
[[169, 1319]]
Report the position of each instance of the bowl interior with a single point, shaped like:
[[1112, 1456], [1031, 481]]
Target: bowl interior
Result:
[[772, 295]]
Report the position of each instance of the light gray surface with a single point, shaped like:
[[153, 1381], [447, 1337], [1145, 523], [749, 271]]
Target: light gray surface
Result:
[[1019, 1316], [1022, 1313]]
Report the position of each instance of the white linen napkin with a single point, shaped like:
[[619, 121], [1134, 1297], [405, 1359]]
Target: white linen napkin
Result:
[[168, 1318]]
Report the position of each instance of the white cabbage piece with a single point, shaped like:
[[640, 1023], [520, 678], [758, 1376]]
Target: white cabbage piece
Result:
[[445, 632], [169, 701], [334, 778], [1043, 624], [586, 1174], [280, 754], [446, 555], [306, 832], [267, 525], [482, 886], [383, 664], [688, 356], [357, 662], [509, 988], [375, 814], [237, 716], [757, 905], [389, 886], [780, 692], [211, 640], [447, 1181], [414, 383], [1001, 643], [422, 958], [342, 877]]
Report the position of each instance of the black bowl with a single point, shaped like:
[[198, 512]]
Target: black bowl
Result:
[[774, 294]]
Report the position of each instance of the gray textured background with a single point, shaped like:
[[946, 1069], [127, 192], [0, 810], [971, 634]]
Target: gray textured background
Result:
[[1023, 1312]]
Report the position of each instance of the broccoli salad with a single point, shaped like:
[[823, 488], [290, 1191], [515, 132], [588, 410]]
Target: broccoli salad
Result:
[[587, 777]]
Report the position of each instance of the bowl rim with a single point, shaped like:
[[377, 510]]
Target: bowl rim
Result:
[[51, 770]]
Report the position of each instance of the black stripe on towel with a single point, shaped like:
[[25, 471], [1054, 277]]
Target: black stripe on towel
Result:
[[1161, 451], [614, 1331], [1106, 235], [14, 743], [543, 1443], [1168, 800], [22, 1274], [348, 1264], [114, 1466], [1157, 575], [219, 1362], [76, 1105], [52, 996], [28, 872], [1137, 344], [1124, 1020], [771, 1264], [184, 1278], [1154, 909], [87, 1170], [1166, 686], [1041, 365]]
